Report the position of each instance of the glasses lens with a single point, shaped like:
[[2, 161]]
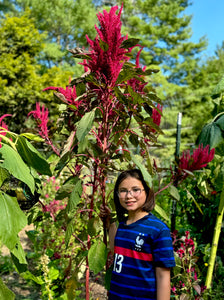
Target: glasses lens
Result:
[[133, 193]]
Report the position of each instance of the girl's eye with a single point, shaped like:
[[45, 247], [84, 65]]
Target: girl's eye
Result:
[[136, 190]]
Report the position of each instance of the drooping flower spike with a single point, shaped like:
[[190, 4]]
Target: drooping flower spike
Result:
[[41, 116]]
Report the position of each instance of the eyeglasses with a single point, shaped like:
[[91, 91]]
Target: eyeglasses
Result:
[[135, 192]]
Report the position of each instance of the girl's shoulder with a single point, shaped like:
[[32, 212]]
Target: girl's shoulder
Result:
[[152, 220]]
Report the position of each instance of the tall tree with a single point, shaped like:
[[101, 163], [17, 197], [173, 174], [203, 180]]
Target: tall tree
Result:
[[20, 80], [66, 23]]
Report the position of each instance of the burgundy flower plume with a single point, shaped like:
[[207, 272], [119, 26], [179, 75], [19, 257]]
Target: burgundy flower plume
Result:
[[196, 161], [106, 54]]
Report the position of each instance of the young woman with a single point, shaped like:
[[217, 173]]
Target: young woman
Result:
[[142, 246]]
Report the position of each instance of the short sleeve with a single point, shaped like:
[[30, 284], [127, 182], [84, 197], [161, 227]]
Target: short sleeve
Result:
[[163, 255]]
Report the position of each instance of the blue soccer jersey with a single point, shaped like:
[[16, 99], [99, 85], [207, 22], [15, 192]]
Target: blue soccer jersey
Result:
[[139, 248]]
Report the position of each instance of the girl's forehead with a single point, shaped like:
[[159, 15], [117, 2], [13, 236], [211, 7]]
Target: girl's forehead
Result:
[[130, 181]]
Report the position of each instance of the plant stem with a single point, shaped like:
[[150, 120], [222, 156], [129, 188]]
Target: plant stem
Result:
[[215, 241]]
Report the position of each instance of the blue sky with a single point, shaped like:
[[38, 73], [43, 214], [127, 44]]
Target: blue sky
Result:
[[208, 19]]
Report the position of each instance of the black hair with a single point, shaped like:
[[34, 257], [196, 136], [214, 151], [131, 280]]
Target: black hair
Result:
[[150, 198]]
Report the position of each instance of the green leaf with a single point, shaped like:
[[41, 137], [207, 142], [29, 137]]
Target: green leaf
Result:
[[143, 169], [211, 134], [5, 293], [93, 226], [129, 43], [19, 253], [174, 192], [32, 137], [53, 274], [103, 45], [161, 212], [27, 275], [125, 75], [75, 196], [84, 125], [32, 157], [16, 166], [13, 220], [220, 122], [97, 256], [4, 174]]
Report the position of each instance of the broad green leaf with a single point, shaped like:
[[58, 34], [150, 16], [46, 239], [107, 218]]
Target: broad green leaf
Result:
[[174, 192], [143, 169], [16, 166], [74, 197], [5, 293], [84, 125], [129, 43], [4, 174], [53, 273], [220, 122], [211, 134], [69, 231], [93, 226], [32, 157], [32, 137], [62, 162], [13, 220], [161, 212], [97, 257], [19, 253], [125, 75]]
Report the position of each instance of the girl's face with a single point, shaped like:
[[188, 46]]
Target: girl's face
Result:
[[132, 195]]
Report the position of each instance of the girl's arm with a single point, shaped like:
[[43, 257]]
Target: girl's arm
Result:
[[112, 232], [105, 215], [163, 283]]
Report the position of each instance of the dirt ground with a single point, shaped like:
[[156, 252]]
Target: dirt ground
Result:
[[23, 291]]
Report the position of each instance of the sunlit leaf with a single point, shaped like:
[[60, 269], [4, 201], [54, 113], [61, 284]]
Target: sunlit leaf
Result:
[[13, 220], [143, 169], [32, 157], [97, 256], [5, 293], [84, 125], [161, 212], [16, 166], [174, 192]]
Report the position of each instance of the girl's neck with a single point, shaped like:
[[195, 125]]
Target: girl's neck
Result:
[[132, 218]]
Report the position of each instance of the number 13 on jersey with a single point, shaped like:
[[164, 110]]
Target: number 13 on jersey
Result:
[[118, 263]]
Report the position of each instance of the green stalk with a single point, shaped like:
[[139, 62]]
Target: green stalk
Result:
[[215, 241]]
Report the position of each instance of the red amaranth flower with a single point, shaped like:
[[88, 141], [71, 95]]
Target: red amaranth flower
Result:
[[156, 114], [41, 116], [106, 55], [67, 95], [196, 161], [3, 125]]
